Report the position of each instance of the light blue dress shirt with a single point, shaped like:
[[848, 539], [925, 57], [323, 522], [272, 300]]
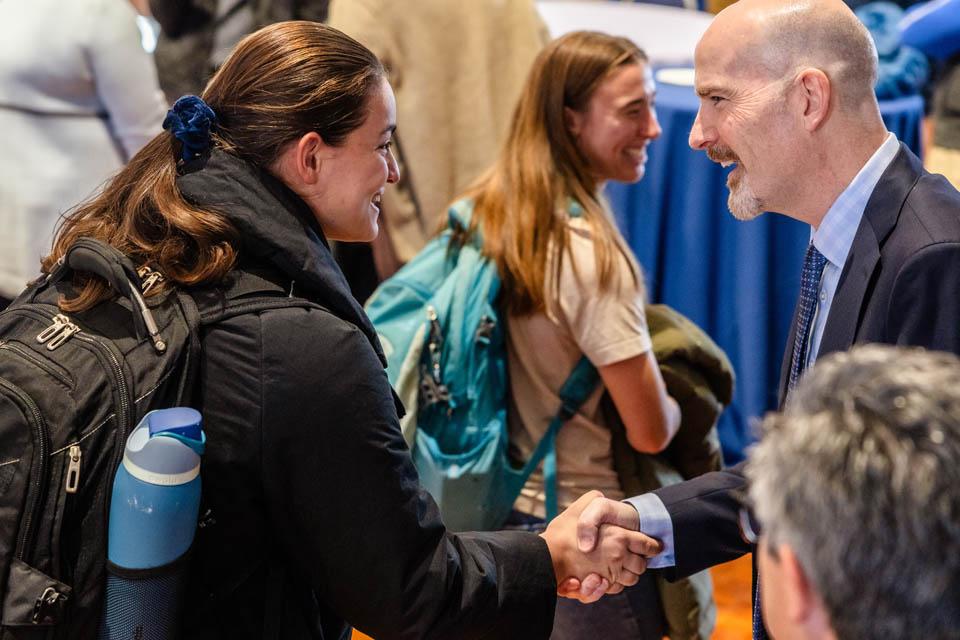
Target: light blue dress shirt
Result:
[[833, 238]]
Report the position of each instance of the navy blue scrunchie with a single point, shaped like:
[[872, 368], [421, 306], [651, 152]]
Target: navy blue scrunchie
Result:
[[191, 121]]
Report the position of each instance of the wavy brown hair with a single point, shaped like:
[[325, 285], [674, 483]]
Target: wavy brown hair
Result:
[[540, 166], [280, 83]]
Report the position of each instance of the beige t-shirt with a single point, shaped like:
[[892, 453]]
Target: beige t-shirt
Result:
[[542, 350]]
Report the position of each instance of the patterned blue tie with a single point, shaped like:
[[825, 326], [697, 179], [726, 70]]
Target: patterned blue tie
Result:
[[759, 631], [813, 264], [809, 286]]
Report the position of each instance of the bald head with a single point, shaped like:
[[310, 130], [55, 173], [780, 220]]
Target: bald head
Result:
[[778, 38]]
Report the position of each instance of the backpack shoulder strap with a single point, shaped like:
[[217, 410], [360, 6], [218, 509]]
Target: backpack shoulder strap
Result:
[[578, 386], [575, 390], [247, 291], [581, 382]]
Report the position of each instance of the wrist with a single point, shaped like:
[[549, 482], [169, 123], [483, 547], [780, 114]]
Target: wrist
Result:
[[559, 553]]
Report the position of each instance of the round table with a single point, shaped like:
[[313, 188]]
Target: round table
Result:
[[737, 280], [668, 35]]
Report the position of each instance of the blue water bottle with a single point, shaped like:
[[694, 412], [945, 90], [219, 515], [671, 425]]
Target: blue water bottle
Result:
[[153, 516]]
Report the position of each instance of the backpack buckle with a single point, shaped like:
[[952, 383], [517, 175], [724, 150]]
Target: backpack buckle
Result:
[[566, 411]]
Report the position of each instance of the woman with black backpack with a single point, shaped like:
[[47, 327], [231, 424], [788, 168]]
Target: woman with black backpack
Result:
[[313, 517]]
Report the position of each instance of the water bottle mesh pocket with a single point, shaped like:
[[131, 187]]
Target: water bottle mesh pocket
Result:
[[145, 604]]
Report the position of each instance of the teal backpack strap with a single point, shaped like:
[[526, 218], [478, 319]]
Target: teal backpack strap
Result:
[[578, 386]]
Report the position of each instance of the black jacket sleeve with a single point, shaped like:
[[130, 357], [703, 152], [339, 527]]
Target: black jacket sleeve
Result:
[[705, 514], [344, 500]]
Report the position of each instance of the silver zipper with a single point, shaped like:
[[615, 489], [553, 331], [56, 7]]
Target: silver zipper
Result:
[[58, 332], [46, 365], [435, 343], [38, 489], [432, 388], [124, 421], [73, 469]]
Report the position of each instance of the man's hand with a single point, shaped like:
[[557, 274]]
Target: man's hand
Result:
[[597, 515], [602, 511], [616, 558]]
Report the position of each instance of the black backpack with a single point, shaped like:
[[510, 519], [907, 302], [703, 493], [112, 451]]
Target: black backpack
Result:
[[72, 387]]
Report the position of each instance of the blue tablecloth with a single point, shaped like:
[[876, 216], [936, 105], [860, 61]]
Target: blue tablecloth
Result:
[[737, 280]]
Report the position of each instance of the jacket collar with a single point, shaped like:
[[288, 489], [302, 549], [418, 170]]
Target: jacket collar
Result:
[[276, 227]]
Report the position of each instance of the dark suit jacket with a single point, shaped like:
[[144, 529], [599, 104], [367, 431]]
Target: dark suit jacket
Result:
[[900, 285]]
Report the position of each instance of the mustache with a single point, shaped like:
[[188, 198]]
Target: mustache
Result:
[[722, 154]]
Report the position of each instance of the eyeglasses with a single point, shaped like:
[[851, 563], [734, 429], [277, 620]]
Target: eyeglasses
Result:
[[749, 526], [746, 523]]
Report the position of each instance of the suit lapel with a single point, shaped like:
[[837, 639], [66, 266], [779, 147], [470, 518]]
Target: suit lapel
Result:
[[879, 218], [787, 357]]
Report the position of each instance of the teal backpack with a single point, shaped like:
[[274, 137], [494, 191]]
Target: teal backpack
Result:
[[439, 322]]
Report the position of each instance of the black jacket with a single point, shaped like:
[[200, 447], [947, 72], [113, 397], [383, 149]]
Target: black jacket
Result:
[[900, 285], [316, 516]]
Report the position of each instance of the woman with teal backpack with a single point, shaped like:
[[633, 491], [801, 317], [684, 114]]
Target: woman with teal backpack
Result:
[[571, 287]]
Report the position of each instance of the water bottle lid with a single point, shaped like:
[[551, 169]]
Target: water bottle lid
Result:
[[165, 448], [182, 421]]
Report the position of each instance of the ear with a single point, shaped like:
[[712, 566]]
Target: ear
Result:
[[816, 95], [573, 120], [803, 603], [308, 155]]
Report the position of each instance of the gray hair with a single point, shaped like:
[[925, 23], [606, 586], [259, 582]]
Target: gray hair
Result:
[[860, 476]]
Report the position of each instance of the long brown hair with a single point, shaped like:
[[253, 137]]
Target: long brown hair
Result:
[[540, 167], [280, 83]]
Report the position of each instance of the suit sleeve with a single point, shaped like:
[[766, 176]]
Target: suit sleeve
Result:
[[925, 305], [345, 502], [705, 512]]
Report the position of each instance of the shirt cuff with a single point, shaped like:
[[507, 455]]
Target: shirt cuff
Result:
[[655, 522]]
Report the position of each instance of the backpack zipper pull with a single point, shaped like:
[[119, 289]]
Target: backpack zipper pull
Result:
[[434, 344], [47, 608], [149, 278], [485, 330], [53, 329], [58, 332], [73, 469]]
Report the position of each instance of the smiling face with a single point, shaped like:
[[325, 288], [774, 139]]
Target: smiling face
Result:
[[619, 120], [744, 120], [351, 178]]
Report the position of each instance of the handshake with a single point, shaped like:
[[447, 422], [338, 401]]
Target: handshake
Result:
[[596, 548]]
